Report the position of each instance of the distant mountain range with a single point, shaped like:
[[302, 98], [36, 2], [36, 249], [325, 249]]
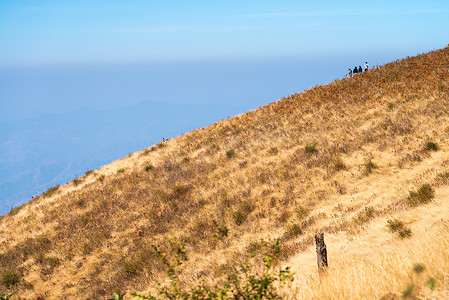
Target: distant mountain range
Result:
[[38, 153]]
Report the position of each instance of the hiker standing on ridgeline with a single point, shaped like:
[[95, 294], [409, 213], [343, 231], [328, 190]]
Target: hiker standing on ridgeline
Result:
[[355, 71], [350, 72], [366, 66], [360, 69]]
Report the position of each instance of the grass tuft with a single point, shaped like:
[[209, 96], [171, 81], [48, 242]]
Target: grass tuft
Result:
[[51, 191], [368, 167], [9, 278], [423, 195], [230, 154], [309, 149], [431, 146], [398, 226]]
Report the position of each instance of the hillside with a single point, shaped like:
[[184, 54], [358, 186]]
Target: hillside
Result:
[[343, 159]]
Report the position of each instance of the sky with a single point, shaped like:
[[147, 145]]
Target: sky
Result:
[[94, 31]]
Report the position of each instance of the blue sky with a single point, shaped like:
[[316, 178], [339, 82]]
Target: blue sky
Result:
[[72, 32]]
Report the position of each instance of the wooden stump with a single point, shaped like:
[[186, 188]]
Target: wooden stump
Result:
[[321, 252]]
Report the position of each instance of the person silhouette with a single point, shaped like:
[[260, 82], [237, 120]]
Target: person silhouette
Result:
[[350, 72], [366, 66], [355, 70], [360, 69]]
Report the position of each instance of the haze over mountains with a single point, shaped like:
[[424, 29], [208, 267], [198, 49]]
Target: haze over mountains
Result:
[[41, 152]]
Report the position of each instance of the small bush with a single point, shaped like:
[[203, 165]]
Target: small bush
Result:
[[51, 191], [418, 268], [302, 212], [238, 217], [230, 154], [339, 165], [121, 170], [405, 233], [148, 167], [76, 181], [15, 210], [310, 149], [185, 160], [292, 231], [221, 231], [244, 283], [9, 278], [368, 167], [365, 215], [423, 195], [81, 202], [101, 178], [89, 172], [131, 268], [395, 225], [273, 151], [431, 146], [431, 283], [398, 226], [6, 296]]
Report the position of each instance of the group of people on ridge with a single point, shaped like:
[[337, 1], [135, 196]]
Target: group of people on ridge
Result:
[[358, 70]]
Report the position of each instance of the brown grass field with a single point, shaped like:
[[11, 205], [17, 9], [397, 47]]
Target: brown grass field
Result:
[[364, 160]]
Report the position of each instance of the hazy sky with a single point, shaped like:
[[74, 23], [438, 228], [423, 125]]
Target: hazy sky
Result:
[[86, 31]]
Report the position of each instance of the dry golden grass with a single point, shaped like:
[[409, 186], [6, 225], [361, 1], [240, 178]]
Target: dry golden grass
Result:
[[340, 159]]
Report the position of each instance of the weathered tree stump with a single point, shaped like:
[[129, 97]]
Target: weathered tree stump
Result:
[[321, 252]]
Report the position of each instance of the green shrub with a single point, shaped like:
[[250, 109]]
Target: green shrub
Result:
[[368, 167], [6, 296], [243, 284], [238, 217], [51, 191], [131, 268], [76, 181], [418, 268], [339, 165], [423, 195], [395, 225], [9, 278], [398, 226], [89, 172], [431, 146], [302, 212], [230, 154], [15, 210], [405, 233], [292, 231], [365, 215], [121, 170], [222, 231], [273, 151], [310, 149], [101, 178], [148, 167]]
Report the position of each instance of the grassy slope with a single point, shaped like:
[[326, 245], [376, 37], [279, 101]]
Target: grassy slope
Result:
[[252, 174]]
